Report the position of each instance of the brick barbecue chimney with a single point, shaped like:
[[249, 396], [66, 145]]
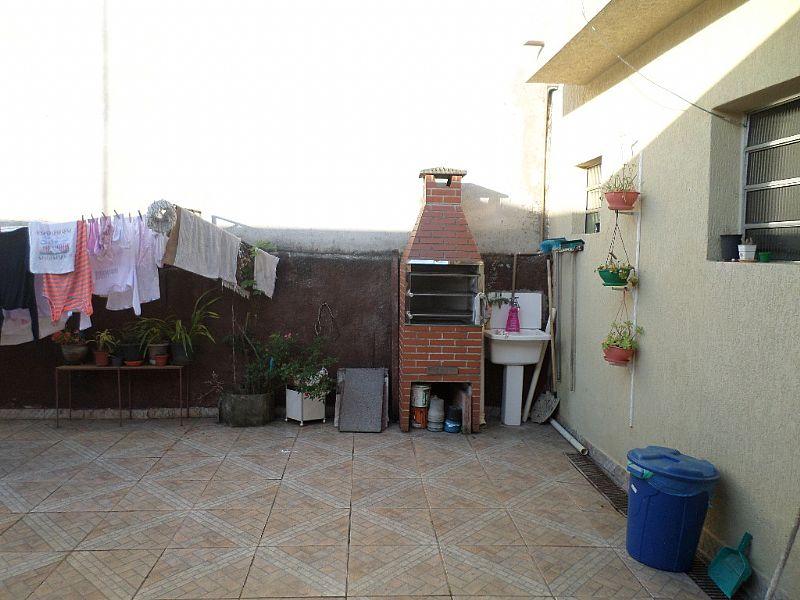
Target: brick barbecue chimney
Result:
[[441, 286]]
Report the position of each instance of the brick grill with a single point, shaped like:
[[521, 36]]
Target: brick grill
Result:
[[445, 352]]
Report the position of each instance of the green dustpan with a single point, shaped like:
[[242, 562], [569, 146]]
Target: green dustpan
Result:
[[730, 567]]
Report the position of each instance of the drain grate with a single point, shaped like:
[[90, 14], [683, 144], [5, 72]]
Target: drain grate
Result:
[[619, 500]]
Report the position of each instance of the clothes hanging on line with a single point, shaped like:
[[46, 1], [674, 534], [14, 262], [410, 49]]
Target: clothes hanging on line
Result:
[[52, 247], [16, 280], [114, 264], [71, 291], [265, 270], [17, 323], [200, 247]]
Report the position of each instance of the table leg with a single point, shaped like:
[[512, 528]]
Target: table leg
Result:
[[180, 399], [56, 377], [119, 394], [130, 402], [69, 392]]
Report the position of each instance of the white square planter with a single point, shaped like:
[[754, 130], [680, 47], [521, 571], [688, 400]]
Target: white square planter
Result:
[[302, 407]]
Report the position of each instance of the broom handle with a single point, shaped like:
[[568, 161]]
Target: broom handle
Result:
[[776, 576]]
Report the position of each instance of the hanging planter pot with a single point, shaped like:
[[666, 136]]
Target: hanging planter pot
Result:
[[622, 340], [616, 272], [621, 199], [615, 275], [618, 356]]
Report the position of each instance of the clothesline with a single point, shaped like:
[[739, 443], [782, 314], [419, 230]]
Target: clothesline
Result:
[[48, 271]]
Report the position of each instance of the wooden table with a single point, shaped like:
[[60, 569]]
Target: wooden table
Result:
[[119, 370]]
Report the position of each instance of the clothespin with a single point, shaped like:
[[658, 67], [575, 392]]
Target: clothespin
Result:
[[91, 215], [140, 213], [116, 214], [82, 219], [104, 214]]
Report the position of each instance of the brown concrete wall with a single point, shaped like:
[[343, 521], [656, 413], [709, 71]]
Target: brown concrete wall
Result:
[[360, 289]]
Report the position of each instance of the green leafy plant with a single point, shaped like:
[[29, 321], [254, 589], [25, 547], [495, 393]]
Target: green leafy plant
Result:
[[260, 373], [622, 181], [302, 367], [247, 260], [69, 337], [623, 335], [496, 299], [151, 330], [104, 341], [616, 266], [187, 333]]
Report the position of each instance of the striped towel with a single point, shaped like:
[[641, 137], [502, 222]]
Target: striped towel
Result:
[[71, 291]]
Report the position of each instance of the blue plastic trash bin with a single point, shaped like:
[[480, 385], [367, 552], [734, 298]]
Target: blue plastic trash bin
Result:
[[667, 503]]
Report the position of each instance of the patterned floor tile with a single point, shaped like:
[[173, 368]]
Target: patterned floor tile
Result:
[[265, 466], [161, 494], [223, 494], [198, 573], [7, 520], [549, 526], [220, 529], [313, 492], [297, 571], [49, 469], [202, 446], [461, 492], [442, 463], [134, 530], [389, 463], [522, 493], [184, 468], [374, 526], [49, 532], [22, 497], [389, 493], [396, 570], [147, 444], [85, 497], [109, 470], [309, 458], [250, 445], [98, 575], [22, 572], [501, 597], [587, 573], [307, 527], [390, 438], [501, 570], [663, 584], [475, 527], [327, 438]]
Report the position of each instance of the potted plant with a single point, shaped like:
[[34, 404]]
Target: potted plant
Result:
[[620, 189], [154, 337], [184, 334], [621, 343], [617, 273], [104, 344], [73, 345], [747, 250], [252, 402], [304, 369], [129, 346]]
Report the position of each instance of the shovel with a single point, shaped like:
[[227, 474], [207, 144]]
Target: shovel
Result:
[[730, 567]]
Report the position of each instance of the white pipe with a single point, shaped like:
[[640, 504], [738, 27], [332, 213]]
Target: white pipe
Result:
[[635, 293], [568, 436]]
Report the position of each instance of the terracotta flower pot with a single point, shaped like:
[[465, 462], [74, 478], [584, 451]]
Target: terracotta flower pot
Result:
[[161, 359], [621, 200], [101, 358], [618, 356]]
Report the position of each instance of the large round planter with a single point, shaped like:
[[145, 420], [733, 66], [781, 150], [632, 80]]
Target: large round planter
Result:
[[245, 410], [179, 354], [154, 350], [618, 356], [130, 352], [614, 278], [116, 360], [74, 354], [621, 200], [101, 358]]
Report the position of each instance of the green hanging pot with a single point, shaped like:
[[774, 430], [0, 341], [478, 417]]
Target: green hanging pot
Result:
[[616, 278]]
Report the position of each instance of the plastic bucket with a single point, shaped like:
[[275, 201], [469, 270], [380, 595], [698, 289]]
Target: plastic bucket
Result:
[[729, 245], [420, 394]]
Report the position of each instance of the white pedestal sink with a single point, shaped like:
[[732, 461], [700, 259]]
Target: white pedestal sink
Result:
[[515, 350]]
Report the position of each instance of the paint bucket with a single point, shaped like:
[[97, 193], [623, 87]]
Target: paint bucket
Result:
[[420, 394], [419, 417], [436, 409]]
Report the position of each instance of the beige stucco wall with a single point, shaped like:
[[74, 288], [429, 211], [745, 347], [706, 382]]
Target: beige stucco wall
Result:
[[717, 374], [293, 116]]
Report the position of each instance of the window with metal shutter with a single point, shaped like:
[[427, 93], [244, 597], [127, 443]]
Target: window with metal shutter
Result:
[[771, 209]]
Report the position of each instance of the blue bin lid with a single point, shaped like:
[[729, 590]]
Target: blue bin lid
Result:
[[671, 463]]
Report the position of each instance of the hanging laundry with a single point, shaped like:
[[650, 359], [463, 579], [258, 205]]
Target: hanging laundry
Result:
[[203, 248], [145, 288], [114, 267], [17, 323], [16, 280], [71, 291], [265, 272], [101, 232], [52, 247]]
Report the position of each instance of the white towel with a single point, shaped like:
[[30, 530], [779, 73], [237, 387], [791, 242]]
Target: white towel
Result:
[[265, 269], [205, 249], [52, 247]]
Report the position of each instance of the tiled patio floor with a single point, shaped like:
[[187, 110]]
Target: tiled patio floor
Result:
[[155, 510]]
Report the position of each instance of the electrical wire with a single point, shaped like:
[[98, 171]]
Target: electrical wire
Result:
[[602, 41]]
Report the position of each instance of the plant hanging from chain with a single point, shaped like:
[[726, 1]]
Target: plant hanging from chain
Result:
[[616, 271], [622, 340]]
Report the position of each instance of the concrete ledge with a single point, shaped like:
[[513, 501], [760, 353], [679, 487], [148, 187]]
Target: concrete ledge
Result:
[[106, 413]]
